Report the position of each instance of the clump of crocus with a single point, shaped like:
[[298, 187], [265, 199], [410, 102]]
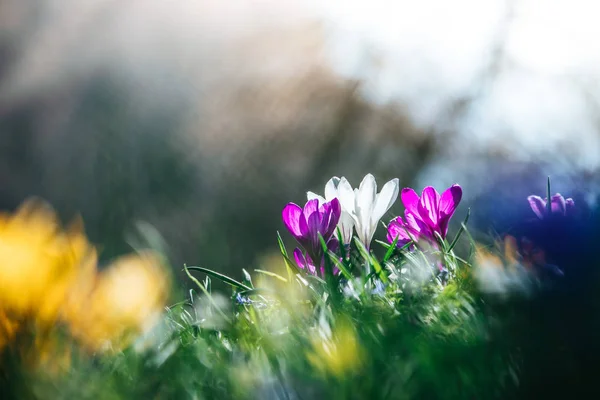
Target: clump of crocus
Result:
[[559, 206], [306, 224], [425, 217], [365, 205]]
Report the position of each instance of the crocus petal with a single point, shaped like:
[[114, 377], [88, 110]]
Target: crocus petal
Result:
[[558, 204], [335, 211], [428, 206], [570, 206], [299, 258], [346, 225], [331, 188], [311, 215], [304, 262], [398, 229], [384, 201], [410, 199], [311, 207], [312, 196], [415, 223], [292, 215], [365, 200], [450, 199], [538, 205], [346, 195]]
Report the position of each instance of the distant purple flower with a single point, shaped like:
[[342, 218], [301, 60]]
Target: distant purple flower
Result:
[[306, 224], [558, 205], [424, 216]]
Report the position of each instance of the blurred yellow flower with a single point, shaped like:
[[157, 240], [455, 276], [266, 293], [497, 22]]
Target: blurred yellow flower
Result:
[[123, 301], [8, 329], [38, 262], [338, 352]]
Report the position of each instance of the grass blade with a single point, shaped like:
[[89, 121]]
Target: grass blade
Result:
[[221, 277], [460, 231]]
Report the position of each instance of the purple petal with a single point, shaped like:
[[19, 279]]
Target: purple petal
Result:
[[398, 229], [310, 207], [310, 221], [450, 199], [333, 244], [410, 199], [299, 258], [304, 262], [414, 223], [570, 206], [538, 205], [292, 215], [558, 204], [335, 211], [428, 207]]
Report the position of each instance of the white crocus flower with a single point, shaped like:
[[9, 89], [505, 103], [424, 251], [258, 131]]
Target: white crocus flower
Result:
[[346, 223], [365, 205]]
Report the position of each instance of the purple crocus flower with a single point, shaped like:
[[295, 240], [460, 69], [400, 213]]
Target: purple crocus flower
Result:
[[305, 262], [305, 224], [558, 205], [424, 216]]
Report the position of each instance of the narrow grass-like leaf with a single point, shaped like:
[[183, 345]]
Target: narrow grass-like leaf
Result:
[[460, 230], [384, 244], [271, 274], [247, 278], [371, 261], [289, 264], [329, 277], [221, 277], [340, 265], [390, 250], [206, 293]]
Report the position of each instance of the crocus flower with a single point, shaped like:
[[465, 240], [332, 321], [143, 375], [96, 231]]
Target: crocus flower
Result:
[[305, 224], [366, 206], [346, 223], [558, 205], [424, 216]]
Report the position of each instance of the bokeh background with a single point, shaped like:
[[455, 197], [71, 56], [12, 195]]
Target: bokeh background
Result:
[[204, 118]]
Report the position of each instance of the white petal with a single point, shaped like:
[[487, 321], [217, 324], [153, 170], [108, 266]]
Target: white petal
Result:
[[346, 225], [346, 196], [385, 199], [331, 188], [312, 196], [365, 200]]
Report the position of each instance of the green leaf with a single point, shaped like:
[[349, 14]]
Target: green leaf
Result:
[[371, 261], [460, 231], [340, 265], [390, 250], [289, 265], [384, 244], [219, 276], [271, 274]]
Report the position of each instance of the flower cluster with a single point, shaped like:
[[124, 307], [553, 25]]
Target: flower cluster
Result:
[[360, 210]]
